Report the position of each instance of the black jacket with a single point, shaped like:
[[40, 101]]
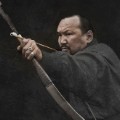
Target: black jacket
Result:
[[90, 76]]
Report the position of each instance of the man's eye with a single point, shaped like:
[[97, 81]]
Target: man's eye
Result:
[[68, 33]]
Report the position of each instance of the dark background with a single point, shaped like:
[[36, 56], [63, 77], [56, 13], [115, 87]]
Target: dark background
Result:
[[22, 96]]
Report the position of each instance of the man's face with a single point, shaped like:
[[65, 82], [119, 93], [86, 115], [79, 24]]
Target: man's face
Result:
[[70, 37]]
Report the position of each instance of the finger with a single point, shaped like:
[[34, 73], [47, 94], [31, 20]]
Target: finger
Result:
[[27, 47], [28, 52], [36, 48], [23, 42], [31, 55], [38, 54]]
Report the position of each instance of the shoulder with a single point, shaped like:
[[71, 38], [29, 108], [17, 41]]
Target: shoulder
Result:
[[101, 51], [99, 48]]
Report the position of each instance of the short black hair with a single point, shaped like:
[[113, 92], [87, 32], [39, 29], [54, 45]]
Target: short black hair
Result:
[[86, 23]]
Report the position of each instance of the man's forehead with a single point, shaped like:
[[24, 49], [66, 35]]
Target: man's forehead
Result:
[[69, 22]]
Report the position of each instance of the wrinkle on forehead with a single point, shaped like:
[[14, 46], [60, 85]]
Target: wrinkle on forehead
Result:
[[67, 23]]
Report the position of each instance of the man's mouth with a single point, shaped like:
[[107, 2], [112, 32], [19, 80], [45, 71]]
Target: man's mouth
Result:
[[65, 49]]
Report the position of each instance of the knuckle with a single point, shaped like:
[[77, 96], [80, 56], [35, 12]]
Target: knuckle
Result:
[[25, 40], [26, 54], [32, 41], [24, 49]]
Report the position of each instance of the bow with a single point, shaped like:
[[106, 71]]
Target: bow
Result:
[[47, 82]]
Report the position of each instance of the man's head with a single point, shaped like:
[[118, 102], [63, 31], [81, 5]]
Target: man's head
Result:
[[74, 33]]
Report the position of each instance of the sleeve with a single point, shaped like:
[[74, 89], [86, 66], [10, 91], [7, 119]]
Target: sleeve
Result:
[[77, 73]]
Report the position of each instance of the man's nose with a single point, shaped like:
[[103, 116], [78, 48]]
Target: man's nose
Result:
[[63, 39]]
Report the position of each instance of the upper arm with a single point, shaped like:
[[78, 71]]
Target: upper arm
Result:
[[78, 73]]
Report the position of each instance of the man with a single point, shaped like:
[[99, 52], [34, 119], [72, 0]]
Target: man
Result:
[[86, 72]]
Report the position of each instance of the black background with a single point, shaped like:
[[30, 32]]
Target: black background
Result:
[[22, 96]]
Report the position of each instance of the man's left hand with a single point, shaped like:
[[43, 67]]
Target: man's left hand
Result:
[[30, 49]]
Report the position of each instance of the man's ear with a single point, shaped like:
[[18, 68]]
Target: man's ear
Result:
[[89, 35]]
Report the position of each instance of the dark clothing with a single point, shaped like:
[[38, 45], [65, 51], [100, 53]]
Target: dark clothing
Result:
[[91, 75]]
